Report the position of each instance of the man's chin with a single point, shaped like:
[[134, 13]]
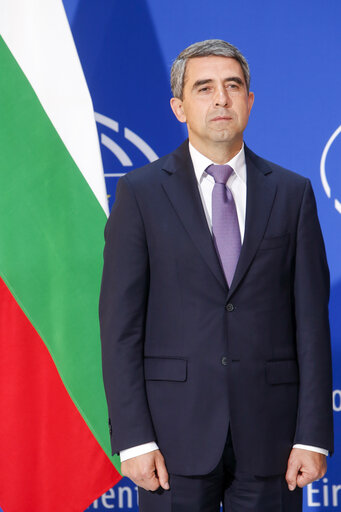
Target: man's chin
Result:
[[224, 137]]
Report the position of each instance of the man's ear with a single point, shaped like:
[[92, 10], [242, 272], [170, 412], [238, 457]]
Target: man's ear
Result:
[[177, 107], [251, 99]]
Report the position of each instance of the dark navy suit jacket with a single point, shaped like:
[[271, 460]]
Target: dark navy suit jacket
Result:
[[184, 356]]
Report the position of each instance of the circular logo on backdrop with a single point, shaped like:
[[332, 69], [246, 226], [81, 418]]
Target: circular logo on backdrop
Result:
[[130, 136], [330, 168], [128, 150]]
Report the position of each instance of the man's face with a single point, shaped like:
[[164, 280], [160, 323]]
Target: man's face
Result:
[[215, 104]]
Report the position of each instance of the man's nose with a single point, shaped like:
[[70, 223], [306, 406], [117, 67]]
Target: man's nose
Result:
[[222, 98]]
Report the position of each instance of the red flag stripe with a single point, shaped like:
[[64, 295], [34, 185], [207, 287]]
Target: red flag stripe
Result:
[[48, 454]]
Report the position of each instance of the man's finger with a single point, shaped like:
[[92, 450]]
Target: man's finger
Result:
[[151, 484], [303, 479], [162, 472], [145, 478], [309, 475], [292, 474]]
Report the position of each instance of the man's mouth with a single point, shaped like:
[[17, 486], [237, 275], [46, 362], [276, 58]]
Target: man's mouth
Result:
[[223, 117]]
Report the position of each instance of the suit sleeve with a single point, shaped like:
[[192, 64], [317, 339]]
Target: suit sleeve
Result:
[[122, 309], [315, 413]]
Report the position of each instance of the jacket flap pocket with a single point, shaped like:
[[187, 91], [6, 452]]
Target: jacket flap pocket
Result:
[[274, 242], [165, 368], [282, 372]]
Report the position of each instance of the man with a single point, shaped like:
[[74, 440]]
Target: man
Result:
[[214, 312]]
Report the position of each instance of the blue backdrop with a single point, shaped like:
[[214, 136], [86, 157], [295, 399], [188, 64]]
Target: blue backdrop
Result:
[[126, 49]]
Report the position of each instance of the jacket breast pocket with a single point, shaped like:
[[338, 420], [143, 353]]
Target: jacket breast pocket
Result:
[[282, 372], [165, 368], [274, 242]]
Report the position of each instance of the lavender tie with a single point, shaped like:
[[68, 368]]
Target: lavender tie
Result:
[[226, 234]]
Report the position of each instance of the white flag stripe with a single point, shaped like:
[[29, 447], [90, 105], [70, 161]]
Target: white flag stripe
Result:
[[40, 39]]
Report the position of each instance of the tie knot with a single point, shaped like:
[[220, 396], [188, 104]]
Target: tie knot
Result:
[[220, 173]]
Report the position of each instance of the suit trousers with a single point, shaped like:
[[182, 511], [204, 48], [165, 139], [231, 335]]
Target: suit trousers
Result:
[[236, 491]]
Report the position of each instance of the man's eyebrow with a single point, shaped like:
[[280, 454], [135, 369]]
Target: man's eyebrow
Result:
[[236, 79], [199, 83], [206, 81]]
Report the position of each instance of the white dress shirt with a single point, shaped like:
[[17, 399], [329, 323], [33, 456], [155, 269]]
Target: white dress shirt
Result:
[[237, 184]]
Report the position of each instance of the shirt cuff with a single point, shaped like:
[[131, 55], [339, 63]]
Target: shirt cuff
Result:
[[140, 449], [311, 448]]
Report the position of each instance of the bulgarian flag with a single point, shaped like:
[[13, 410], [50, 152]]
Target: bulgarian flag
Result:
[[54, 441]]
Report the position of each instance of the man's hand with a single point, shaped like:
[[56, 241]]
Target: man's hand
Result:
[[304, 467], [147, 471]]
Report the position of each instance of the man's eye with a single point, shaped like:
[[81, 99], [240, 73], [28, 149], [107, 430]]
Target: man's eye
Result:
[[204, 89]]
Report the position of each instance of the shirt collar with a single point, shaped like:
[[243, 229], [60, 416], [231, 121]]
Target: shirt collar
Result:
[[201, 162]]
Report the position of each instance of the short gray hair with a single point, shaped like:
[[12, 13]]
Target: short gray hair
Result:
[[205, 49]]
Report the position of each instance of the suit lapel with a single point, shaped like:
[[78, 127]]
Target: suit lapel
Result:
[[180, 185], [261, 192]]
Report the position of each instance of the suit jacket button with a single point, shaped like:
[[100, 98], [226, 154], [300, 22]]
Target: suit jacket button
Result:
[[229, 307], [224, 361]]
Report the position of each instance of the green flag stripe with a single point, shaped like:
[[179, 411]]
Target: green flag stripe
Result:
[[51, 242]]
